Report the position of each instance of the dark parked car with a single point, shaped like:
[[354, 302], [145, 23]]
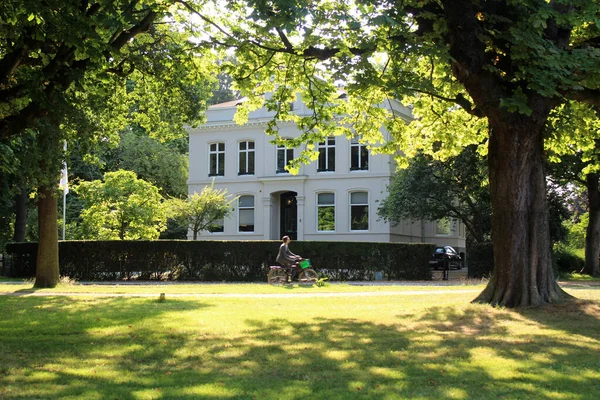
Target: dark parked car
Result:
[[445, 257]]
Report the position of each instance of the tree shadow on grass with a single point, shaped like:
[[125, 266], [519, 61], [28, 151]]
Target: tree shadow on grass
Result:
[[438, 353]]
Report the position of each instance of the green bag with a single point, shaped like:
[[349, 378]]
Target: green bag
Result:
[[305, 263]]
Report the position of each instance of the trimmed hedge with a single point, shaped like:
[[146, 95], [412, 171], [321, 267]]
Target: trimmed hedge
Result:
[[232, 261], [480, 260]]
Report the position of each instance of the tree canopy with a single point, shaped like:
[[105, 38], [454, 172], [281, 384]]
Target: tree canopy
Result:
[[80, 71], [472, 71], [432, 189], [121, 207], [203, 211]]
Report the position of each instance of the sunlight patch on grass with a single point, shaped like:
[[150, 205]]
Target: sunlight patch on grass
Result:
[[455, 393], [388, 373]]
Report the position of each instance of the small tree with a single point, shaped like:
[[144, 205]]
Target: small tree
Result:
[[202, 210], [121, 207]]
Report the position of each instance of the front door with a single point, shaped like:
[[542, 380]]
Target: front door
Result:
[[289, 215]]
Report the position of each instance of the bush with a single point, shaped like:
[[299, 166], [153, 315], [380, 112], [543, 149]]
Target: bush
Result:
[[223, 260], [480, 260], [565, 260]]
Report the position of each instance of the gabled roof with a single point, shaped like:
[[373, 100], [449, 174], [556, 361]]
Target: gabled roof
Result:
[[227, 104]]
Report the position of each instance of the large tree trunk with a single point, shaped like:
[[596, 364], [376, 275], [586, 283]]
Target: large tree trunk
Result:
[[47, 274], [592, 236], [20, 216], [522, 273]]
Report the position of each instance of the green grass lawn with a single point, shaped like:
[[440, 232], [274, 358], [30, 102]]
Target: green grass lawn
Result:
[[383, 346]]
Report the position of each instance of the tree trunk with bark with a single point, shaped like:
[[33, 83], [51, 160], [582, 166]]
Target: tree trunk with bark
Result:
[[592, 236], [523, 274], [47, 272], [20, 216]]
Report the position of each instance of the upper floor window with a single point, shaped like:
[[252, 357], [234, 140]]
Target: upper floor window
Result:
[[359, 156], [359, 211], [246, 214], [216, 156], [326, 212], [246, 158], [284, 156], [327, 155]]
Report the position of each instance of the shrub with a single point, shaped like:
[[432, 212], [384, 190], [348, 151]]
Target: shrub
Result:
[[565, 260], [480, 260]]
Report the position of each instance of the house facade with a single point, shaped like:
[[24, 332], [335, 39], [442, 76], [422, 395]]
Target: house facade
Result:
[[332, 199]]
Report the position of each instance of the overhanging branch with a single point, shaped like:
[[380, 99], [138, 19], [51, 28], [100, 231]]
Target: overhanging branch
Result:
[[459, 99], [588, 96]]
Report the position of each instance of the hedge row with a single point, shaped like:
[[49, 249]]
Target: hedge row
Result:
[[481, 260], [223, 260]]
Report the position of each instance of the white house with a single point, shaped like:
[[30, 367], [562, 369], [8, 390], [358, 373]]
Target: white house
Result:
[[333, 199]]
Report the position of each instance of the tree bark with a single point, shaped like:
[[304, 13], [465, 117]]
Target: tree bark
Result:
[[20, 216], [47, 273], [523, 274], [592, 236]]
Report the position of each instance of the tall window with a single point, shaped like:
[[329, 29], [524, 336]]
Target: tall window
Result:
[[246, 214], [359, 156], [246, 158], [325, 212], [284, 156], [216, 158], [327, 155], [359, 211]]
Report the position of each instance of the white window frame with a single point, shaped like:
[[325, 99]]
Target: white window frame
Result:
[[355, 143], [286, 159], [219, 158], [247, 151], [326, 146], [325, 205], [240, 208], [350, 204]]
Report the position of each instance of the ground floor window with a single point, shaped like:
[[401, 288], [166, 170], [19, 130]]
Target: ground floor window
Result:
[[359, 211], [246, 214], [326, 212], [217, 226]]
